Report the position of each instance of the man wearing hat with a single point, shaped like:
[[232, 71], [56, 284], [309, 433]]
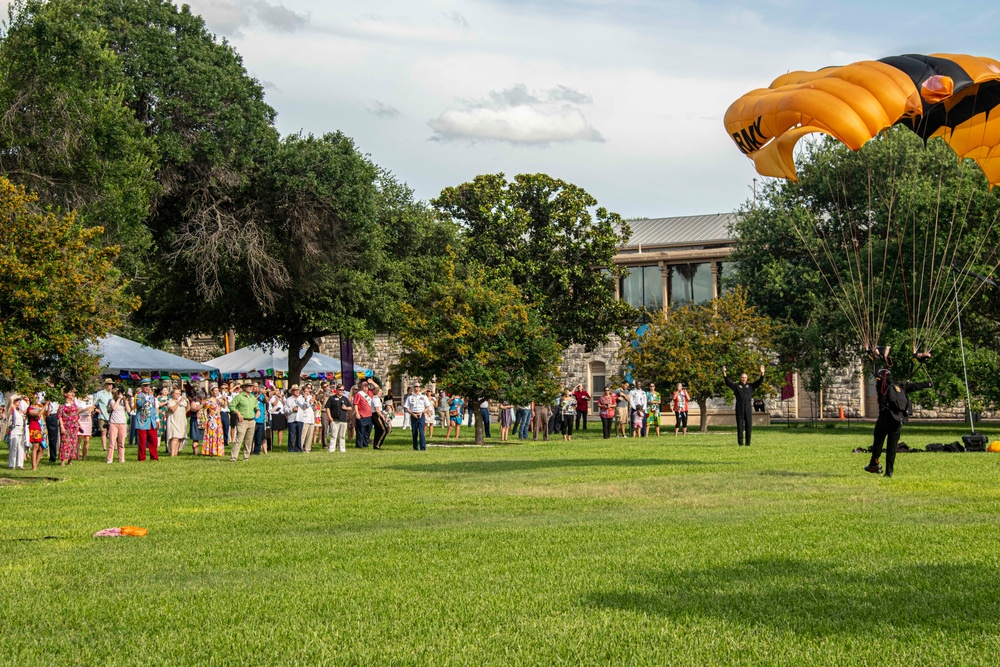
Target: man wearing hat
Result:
[[102, 401], [146, 421], [245, 408], [293, 410]]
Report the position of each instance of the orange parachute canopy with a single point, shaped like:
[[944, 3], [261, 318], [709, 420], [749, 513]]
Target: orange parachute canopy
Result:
[[941, 95]]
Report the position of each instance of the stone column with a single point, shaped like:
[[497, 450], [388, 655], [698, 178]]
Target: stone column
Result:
[[666, 273], [664, 285]]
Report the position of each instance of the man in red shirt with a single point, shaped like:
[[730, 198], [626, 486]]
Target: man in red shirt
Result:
[[363, 414], [582, 405]]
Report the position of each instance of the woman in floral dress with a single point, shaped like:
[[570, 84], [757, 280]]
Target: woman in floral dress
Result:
[[161, 412], [213, 444], [69, 426]]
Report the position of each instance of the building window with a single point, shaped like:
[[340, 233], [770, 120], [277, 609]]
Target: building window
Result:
[[692, 284], [642, 288], [597, 382]]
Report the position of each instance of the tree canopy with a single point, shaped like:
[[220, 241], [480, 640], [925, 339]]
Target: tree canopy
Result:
[[59, 290], [539, 233], [479, 339], [350, 241]]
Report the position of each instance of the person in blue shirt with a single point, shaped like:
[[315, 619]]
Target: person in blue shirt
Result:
[[259, 426], [147, 421], [455, 412]]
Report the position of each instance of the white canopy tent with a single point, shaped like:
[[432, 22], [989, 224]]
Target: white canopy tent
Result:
[[257, 361], [126, 358]]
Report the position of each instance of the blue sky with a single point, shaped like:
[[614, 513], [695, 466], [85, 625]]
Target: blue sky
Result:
[[624, 99]]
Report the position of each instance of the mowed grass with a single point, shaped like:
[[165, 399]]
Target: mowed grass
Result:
[[628, 552]]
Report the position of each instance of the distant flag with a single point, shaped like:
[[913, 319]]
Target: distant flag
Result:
[[788, 391], [347, 361]]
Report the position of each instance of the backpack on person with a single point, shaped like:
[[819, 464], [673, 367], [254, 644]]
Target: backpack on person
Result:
[[897, 401]]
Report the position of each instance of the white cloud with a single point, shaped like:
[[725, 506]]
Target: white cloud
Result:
[[381, 109], [519, 116], [230, 17]]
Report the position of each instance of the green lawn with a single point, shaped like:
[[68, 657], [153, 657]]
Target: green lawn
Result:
[[627, 552]]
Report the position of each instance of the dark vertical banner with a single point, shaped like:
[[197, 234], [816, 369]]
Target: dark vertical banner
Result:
[[347, 362], [788, 391]]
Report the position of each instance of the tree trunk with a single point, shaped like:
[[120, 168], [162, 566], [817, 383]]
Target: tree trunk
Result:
[[703, 406], [295, 362], [480, 427]]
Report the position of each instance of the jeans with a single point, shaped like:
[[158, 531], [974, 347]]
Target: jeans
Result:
[[363, 432], [52, 426], [523, 423], [418, 428], [295, 436], [606, 426], [581, 416], [224, 418], [485, 412], [258, 437]]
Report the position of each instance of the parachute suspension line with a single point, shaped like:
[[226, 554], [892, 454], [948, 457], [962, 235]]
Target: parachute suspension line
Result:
[[922, 332], [942, 286], [881, 313], [847, 299], [846, 308], [979, 282], [851, 246]]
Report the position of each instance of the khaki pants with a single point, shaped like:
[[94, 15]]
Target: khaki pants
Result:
[[338, 434], [244, 436], [116, 441], [307, 436], [541, 422]]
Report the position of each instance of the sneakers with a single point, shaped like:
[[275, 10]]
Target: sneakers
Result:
[[874, 468]]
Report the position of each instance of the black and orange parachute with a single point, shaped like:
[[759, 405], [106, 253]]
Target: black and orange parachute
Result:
[[940, 95]]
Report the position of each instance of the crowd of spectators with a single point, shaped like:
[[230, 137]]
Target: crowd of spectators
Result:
[[252, 418]]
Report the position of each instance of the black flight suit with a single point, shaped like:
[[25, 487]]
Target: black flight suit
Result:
[[744, 406], [890, 423]]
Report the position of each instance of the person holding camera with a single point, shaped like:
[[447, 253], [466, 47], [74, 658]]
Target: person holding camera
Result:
[[117, 411]]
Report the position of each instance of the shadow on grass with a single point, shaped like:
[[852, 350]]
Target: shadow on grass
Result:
[[819, 599], [477, 467]]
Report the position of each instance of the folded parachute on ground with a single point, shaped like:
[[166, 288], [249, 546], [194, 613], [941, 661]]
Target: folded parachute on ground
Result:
[[941, 95]]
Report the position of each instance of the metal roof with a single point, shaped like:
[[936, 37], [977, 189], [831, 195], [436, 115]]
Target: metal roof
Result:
[[691, 230]]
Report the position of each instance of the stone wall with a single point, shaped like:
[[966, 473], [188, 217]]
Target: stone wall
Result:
[[199, 348], [844, 390], [576, 363]]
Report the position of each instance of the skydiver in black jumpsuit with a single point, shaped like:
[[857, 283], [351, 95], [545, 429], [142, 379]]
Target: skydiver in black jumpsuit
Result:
[[890, 418], [744, 403]]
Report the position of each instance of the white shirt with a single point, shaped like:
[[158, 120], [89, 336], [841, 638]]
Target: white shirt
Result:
[[306, 413], [416, 404], [19, 408], [276, 405], [291, 403], [638, 398], [485, 404], [376, 404]]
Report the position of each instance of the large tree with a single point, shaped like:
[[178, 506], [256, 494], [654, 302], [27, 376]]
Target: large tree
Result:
[[551, 240], [101, 95], [66, 132], [858, 252], [59, 291], [695, 342], [476, 337], [350, 241]]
